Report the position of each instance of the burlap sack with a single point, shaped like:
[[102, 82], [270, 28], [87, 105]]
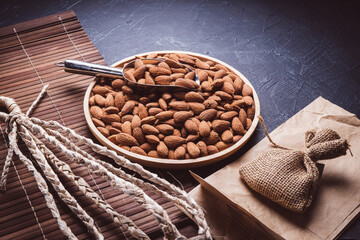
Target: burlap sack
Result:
[[289, 177]]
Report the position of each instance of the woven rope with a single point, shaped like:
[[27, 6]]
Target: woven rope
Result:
[[59, 136]]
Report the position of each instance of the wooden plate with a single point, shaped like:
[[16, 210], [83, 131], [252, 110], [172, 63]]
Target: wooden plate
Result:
[[170, 163]]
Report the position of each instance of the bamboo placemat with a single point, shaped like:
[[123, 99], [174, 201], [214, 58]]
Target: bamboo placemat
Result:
[[28, 52]]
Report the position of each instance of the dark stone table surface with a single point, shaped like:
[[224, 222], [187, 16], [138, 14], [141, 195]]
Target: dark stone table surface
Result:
[[291, 51]]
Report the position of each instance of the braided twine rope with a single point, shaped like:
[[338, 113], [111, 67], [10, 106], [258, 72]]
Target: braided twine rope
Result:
[[36, 134]]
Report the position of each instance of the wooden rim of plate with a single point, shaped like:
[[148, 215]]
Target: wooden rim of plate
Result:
[[172, 163]]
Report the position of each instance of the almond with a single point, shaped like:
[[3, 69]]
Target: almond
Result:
[[202, 147], [138, 134], [119, 100], [118, 83], [165, 115], [163, 80], [174, 141], [221, 145], [190, 75], [153, 154], [228, 88], [236, 138], [210, 103], [127, 118], [238, 85], [109, 101], [128, 107], [186, 60], [249, 101], [111, 110], [126, 139], [126, 128], [223, 95], [152, 139], [140, 72], [103, 131], [250, 112], [228, 115], [217, 83], [109, 118], [157, 71], [227, 136], [148, 129], [173, 63], [164, 65], [97, 122], [219, 74], [100, 90], [162, 104], [179, 106], [246, 90], [147, 147], [179, 95], [114, 131], [212, 149], [202, 75], [112, 139], [99, 100], [148, 120], [175, 76], [196, 107], [138, 63], [138, 150], [149, 79], [96, 112], [201, 64], [194, 97], [242, 116], [182, 116], [128, 75], [206, 86], [180, 153], [191, 126], [162, 149], [117, 125], [193, 150], [154, 111], [92, 101], [186, 83], [165, 128], [204, 129], [127, 90], [135, 122], [143, 113], [237, 126], [248, 123], [207, 115], [212, 138], [220, 125]]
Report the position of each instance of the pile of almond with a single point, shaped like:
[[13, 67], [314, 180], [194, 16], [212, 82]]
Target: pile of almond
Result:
[[179, 125]]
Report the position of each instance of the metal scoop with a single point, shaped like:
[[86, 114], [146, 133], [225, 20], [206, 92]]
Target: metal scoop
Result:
[[75, 66]]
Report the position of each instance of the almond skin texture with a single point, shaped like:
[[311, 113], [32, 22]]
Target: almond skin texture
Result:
[[162, 149], [191, 126], [100, 90], [96, 112], [97, 122], [227, 136], [182, 116], [193, 150], [149, 129], [196, 107], [194, 97], [109, 118], [228, 115], [152, 139], [103, 131], [165, 129], [204, 129], [138, 150], [208, 115], [158, 71], [99, 100], [128, 107], [179, 106], [174, 141], [165, 115], [212, 149], [180, 153], [153, 154], [220, 125], [237, 126], [203, 148], [126, 139], [246, 90]]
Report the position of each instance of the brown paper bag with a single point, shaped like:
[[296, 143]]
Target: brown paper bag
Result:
[[335, 204]]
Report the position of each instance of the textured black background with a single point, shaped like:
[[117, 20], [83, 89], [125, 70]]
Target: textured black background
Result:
[[291, 51]]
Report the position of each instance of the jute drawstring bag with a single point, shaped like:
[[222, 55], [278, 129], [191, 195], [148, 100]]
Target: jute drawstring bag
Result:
[[289, 177]]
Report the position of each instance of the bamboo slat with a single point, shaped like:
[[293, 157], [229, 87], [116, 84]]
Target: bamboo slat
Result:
[[46, 41]]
